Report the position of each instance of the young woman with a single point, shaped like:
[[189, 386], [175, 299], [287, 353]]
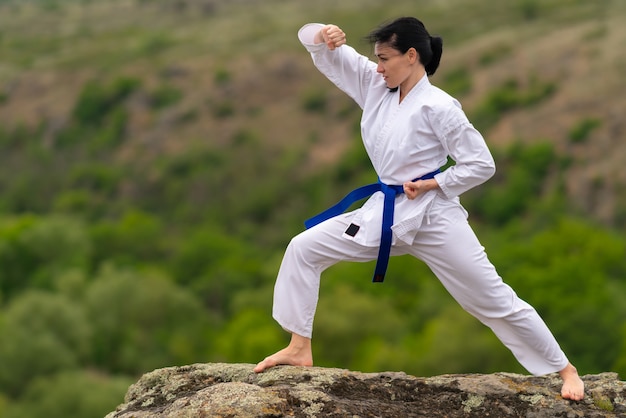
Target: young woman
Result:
[[409, 128]]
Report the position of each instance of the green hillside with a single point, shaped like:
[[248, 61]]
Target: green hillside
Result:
[[158, 155]]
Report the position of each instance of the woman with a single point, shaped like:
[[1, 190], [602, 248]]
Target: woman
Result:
[[409, 128]]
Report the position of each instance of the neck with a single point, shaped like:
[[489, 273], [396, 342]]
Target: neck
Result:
[[407, 85]]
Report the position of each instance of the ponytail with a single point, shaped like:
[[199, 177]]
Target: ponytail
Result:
[[436, 46]]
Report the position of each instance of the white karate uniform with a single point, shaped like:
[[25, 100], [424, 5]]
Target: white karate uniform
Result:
[[404, 141]]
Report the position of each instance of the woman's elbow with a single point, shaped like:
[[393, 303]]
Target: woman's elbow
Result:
[[490, 170], [485, 171]]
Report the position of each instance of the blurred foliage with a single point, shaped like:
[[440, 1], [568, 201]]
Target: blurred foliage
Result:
[[120, 255], [42, 334], [165, 96], [508, 96], [518, 188], [70, 394], [457, 82], [581, 130], [315, 101]]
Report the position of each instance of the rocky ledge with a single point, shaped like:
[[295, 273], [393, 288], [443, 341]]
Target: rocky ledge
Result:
[[234, 390]]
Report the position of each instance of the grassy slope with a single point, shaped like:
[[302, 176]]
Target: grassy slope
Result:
[[243, 56]]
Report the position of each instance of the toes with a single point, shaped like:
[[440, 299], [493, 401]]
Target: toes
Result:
[[262, 366], [574, 396]]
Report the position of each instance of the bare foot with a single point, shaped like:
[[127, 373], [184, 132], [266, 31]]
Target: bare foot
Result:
[[297, 353], [573, 386]]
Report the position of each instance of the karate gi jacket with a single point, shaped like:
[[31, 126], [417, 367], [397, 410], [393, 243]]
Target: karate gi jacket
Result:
[[403, 140]]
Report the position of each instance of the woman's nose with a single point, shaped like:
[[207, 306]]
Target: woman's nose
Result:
[[380, 68]]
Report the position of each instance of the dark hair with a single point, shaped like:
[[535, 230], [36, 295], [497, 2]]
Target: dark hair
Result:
[[405, 33]]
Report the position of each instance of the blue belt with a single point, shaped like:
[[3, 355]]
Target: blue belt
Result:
[[390, 192]]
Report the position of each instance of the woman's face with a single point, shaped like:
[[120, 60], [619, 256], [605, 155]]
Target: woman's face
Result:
[[393, 65]]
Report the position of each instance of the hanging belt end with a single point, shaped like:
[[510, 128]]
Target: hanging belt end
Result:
[[378, 278]]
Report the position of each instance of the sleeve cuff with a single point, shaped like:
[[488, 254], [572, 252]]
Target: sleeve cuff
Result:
[[439, 178], [307, 33]]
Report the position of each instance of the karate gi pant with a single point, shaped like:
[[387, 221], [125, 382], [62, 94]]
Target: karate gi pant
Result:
[[448, 245]]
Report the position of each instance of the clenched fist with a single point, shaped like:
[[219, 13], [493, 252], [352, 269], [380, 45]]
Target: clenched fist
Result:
[[332, 36]]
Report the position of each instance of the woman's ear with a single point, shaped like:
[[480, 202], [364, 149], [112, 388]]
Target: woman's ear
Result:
[[412, 55]]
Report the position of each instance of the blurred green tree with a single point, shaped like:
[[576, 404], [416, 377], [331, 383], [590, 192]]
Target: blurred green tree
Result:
[[217, 266], [34, 250], [137, 237], [347, 318], [141, 320], [521, 186], [249, 336], [84, 394], [41, 333]]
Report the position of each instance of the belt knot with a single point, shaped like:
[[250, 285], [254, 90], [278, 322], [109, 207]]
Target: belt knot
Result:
[[390, 192]]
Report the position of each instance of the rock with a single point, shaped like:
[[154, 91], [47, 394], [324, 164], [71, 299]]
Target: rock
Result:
[[234, 390]]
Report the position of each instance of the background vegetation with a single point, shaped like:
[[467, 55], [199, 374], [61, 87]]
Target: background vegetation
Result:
[[157, 156]]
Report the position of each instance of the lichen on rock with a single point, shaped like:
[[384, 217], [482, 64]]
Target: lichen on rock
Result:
[[234, 390]]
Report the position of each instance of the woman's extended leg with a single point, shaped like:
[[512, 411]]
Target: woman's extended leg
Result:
[[450, 248]]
